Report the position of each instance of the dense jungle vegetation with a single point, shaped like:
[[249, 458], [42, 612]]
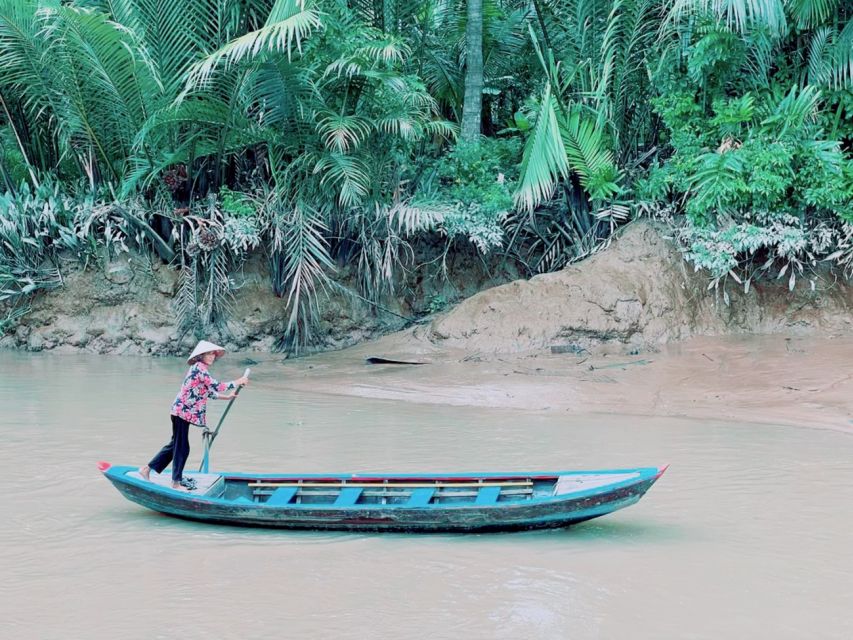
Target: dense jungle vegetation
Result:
[[324, 133]]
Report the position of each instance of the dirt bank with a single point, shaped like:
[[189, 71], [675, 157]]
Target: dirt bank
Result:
[[126, 307], [635, 296], [630, 298]]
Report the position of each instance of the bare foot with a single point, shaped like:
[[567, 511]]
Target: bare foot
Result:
[[178, 487], [145, 472]]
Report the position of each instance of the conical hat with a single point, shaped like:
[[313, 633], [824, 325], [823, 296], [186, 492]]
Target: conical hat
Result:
[[205, 347]]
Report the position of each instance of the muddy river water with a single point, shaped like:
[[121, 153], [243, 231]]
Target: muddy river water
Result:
[[748, 535]]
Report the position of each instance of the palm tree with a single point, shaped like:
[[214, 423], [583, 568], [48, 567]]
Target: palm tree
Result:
[[473, 104], [329, 99]]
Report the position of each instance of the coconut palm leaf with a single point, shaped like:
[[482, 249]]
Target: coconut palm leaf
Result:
[[301, 262], [342, 133], [545, 161], [740, 15], [347, 175], [812, 13], [288, 24], [589, 156]]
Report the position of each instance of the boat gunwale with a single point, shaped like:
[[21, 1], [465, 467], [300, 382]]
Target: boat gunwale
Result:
[[645, 474]]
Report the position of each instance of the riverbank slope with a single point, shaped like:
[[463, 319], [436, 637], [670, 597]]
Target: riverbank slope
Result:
[[632, 297]]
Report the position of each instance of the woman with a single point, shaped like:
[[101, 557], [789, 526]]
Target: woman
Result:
[[190, 407]]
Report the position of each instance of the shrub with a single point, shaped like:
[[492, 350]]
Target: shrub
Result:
[[763, 188], [473, 186]]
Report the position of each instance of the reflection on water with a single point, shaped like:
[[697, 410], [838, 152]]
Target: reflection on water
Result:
[[746, 536]]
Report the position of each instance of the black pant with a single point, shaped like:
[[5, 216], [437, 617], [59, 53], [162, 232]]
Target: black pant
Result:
[[177, 451]]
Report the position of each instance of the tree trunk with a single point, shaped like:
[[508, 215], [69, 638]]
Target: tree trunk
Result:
[[473, 102]]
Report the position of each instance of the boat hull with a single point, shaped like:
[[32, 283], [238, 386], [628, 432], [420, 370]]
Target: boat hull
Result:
[[535, 513]]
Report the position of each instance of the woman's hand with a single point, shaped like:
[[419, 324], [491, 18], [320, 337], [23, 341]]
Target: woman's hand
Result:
[[241, 382], [226, 396]]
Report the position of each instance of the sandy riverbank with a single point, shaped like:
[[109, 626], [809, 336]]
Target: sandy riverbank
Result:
[[800, 381]]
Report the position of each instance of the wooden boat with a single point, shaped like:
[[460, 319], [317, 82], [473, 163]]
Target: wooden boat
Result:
[[411, 503]]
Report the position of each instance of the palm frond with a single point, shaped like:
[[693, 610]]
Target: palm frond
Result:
[[819, 58], [175, 34], [716, 178], [589, 156], [812, 13], [793, 111], [346, 175], [185, 304], [341, 133], [25, 61], [544, 161], [407, 220], [289, 23], [302, 261], [843, 58], [400, 125], [114, 83], [442, 128], [283, 93], [387, 51], [199, 121], [740, 15]]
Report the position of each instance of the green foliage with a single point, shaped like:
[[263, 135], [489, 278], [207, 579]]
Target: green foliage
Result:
[[10, 318], [711, 58], [326, 130], [770, 158], [759, 182], [36, 224], [437, 303], [235, 205], [242, 234], [567, 138], [755, 160], [473, 190], [13, 165], [722, 251], [204, 298], [242, 228]]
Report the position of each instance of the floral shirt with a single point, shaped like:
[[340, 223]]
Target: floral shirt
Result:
[[191, 402]]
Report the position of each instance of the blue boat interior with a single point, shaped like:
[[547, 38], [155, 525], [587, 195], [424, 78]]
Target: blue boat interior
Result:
[[414, 492], [409, 493], [402, 492]]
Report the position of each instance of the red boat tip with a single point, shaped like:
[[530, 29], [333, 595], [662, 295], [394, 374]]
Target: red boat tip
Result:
[[661, 470], [103, 466]]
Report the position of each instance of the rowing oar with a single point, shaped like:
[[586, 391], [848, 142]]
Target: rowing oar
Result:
[[209, 436]]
